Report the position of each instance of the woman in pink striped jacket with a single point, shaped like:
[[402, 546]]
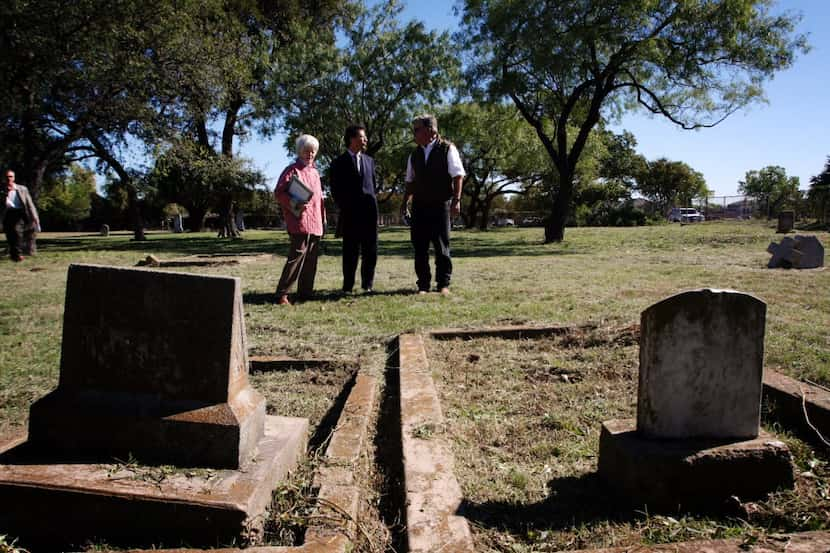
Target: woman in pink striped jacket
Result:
[[305, 221]]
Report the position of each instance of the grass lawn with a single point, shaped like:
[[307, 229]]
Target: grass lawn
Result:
[[600, 276]]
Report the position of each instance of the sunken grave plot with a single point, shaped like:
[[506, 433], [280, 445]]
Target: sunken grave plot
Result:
[[522, 419]]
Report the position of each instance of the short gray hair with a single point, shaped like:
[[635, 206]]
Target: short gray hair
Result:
[[305, 141], [426, 120]]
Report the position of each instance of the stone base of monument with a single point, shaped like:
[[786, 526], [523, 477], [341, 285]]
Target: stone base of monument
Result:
[[693, 473], [48, 502]]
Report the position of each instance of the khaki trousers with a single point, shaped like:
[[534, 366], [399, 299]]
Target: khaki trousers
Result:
[[301, 265]]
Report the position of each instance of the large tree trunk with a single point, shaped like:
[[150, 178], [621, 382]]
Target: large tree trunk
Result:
[[135, 212], [484, 222], [555, 225], [227, 221], [196, 218]]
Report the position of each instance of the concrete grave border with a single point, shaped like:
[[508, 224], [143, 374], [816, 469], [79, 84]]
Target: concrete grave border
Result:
[[798, 405]]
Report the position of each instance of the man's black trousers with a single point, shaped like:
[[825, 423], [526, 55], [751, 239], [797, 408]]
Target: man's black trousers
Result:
[[356, 245], [431, 225], [13, 223]]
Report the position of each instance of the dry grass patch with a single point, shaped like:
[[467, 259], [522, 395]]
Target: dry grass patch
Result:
[[524, 419]]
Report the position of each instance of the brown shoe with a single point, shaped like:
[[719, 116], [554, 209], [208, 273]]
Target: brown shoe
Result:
[[444, 291], [283, 300]]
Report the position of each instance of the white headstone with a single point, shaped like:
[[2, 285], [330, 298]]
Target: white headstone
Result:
[[701, 366]]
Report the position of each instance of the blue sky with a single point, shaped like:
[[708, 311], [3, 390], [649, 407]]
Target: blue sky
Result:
[[790, 130]]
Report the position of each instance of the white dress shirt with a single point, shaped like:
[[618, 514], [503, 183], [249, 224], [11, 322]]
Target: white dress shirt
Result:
[[13, 199]]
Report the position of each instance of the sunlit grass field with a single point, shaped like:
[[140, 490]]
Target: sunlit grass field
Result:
[[504, 276]]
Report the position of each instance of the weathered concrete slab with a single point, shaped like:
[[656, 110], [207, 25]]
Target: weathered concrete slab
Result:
[[153, 365], [701, 364], [127, 503], [663, 474], [203, 260], [804, 542], [800, 406], [433, 495]]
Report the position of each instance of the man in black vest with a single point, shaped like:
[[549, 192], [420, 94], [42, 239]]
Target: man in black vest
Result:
[[434, 175], [353, 187]]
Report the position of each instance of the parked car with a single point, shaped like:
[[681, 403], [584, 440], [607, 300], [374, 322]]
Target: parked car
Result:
[[505, 222], [685, 215], [531, 222]]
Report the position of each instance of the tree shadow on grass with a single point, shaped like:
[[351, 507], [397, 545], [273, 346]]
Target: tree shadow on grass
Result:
[[573, 501], [392, 242], [322, 296], [179, 244], [577, 501]]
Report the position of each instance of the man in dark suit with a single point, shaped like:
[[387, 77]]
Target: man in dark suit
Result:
[[353, 187]]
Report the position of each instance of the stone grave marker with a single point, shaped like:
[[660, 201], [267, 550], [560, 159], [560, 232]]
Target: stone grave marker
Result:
[[697, 438], [701, 366], [105, 230], [153, 370], [808, 252], [153, 364], [798, 252], [786, 221]]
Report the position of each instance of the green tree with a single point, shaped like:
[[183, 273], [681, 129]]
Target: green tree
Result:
[[568, 65], [65, 204], [671, 183], [96, 79], [772, 188], [382, 74], [500, 154], [819, 194], [193, 176]]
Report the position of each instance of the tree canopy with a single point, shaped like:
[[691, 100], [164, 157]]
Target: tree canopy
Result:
[[501, 155], [380, 77], [568, 65], [772, 188], [819, 193], [671, 183]]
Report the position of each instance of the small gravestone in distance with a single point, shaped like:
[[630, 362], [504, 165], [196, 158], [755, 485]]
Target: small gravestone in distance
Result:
[[786, 221], [154, 370], [105, 230], [697, 437]]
